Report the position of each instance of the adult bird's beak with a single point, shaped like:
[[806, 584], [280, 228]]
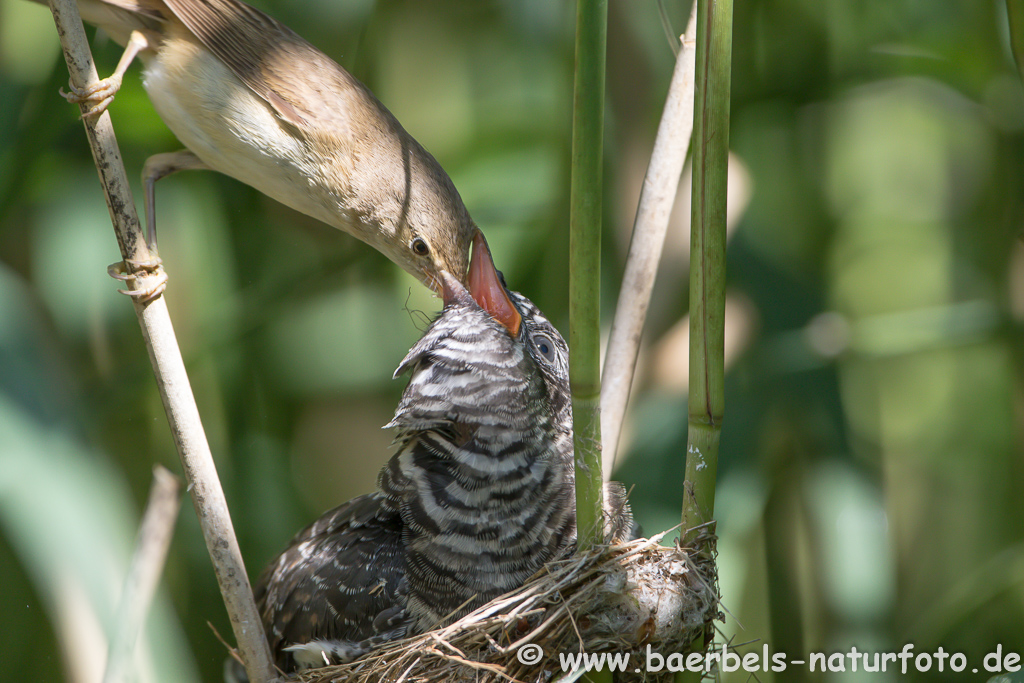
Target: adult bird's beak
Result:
[[486, 287]]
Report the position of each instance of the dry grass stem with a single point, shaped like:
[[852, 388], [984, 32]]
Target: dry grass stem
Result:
[[657, 196], [147, 565], [619, 598], [168, 366]]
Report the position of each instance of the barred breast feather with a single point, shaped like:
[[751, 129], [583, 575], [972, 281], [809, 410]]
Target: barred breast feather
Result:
[[477, 498]]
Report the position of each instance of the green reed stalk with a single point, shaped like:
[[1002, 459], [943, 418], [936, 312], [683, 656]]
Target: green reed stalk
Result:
[[585, 263], [707, 274]]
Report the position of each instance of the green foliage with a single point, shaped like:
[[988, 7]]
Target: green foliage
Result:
[[869, 470]]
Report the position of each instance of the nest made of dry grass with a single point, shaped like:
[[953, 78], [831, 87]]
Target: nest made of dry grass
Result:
[[618, 598]]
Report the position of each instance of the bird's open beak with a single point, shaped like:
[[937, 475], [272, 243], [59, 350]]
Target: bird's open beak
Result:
[[486, 287], [453, 291]]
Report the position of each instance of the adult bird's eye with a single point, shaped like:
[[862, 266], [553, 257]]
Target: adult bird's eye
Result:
[[419, 246], [545, 346]]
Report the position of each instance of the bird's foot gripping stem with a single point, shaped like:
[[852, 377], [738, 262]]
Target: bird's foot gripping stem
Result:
[[101, 93], [149, 274]]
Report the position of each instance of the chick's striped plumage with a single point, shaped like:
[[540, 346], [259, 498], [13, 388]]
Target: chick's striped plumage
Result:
[[340, 583], [481, 481], [477, 498]]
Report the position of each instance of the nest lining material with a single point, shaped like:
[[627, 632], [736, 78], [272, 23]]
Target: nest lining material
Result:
[[618, 598]]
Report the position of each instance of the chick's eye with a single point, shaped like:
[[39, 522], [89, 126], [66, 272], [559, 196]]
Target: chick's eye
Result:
[[545, 346], [419, 246]]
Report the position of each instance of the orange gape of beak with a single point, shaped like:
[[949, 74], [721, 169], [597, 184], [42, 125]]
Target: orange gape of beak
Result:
[[486, 287]]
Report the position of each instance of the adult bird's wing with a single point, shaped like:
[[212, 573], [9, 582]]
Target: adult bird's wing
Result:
[[263, 53]]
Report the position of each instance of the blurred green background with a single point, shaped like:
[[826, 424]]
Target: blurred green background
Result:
[[870, 486]]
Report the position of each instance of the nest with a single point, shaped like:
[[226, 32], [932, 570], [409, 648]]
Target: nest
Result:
[[615, 599]]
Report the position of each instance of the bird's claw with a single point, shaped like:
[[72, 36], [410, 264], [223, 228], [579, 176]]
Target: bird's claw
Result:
[[99, 94], [149, 274]]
